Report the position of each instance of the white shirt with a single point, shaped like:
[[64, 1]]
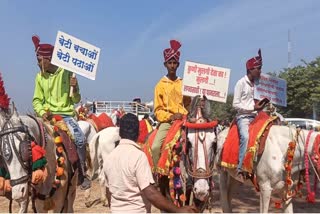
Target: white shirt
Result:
[[243, 97], [127, 173]]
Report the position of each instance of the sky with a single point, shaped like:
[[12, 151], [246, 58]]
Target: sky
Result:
[[133, 34]]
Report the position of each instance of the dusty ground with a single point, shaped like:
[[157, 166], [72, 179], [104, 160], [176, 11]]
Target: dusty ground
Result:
[[245, 200]]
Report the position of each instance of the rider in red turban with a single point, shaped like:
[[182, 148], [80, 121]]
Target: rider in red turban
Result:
[[173, 51], [42, 50], [255, 61]]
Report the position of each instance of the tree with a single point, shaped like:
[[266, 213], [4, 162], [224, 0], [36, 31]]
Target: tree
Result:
[[223, 111], [303, 90]]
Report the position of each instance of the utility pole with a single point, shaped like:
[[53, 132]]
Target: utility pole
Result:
[[289, 50]]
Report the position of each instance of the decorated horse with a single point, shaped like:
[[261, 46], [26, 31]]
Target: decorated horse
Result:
[[16, 165], [185, 167], [277, 161]]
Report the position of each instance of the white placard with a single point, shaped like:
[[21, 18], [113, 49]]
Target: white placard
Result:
[[75, 55], [273, 88], [208, 80]]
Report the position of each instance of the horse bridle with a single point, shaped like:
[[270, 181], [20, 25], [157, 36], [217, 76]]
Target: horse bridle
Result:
[[24, 154], [192, 167]]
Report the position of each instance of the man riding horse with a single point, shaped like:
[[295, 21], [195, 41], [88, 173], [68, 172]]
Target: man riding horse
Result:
[[51, 97], [246, 106], [168, 99]]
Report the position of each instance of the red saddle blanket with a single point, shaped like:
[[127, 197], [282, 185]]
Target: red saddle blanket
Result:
[[101, 122], [171, 139], [230, 152]]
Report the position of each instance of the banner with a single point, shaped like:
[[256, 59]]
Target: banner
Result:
[[208, 80], [75, 55], [273, 88]]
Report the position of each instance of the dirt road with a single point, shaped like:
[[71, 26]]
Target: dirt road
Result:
[[245, 200]]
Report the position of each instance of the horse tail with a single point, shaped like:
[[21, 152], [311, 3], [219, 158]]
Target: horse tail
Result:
[[92, 157], [88, 157]]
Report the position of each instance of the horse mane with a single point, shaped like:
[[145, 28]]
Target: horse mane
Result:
[[206, 111]]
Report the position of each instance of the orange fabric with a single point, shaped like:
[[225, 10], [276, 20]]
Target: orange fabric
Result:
[[257, 127], [147, 147], [230, 152], [173, 135], [105, 120], [143, 131]]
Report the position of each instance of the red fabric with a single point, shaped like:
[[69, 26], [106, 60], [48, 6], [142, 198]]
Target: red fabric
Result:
[[173, 51], [163, 167], [105, 120], [4, 99], [57, 117], [230, 152], [43, 50], [102, 121], [201, 125], [254, 62], [167, 145], [37, 152], [143, 131]]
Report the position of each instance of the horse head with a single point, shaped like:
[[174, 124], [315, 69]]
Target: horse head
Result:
[[199, 150], [15, 151]]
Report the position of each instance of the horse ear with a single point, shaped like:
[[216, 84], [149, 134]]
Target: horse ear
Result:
[[14, 109]]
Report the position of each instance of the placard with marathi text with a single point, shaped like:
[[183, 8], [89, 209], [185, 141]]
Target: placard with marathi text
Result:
[[273, 88], [75, 55], [208, 80]]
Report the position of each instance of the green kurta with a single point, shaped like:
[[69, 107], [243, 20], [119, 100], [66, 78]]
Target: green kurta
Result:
[[51, 93]]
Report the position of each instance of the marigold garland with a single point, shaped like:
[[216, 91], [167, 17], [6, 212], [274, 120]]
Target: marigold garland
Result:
[[57, 122], [288, 179], [175, 181], [311, 194]]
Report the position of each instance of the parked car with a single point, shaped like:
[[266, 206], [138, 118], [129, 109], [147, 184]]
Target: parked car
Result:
[[304, 123]]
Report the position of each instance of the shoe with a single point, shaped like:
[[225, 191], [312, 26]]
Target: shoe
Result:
[[240, 177], [86, 184]]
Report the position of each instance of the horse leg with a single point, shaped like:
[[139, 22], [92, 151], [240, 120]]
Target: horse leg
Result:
[[24, 205], [225, 198], [108, 197], [104, 190], [68, 206], [287, 206], [265, 196]]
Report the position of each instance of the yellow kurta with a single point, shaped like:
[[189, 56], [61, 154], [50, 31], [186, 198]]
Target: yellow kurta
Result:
[[168, 99]]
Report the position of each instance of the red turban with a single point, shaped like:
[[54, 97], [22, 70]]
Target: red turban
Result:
[[4, 99], [255, 61], [172, 52], [43, 50]]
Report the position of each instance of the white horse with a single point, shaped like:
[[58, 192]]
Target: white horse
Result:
[[100, 147], [12, 134], [16, 135], [270, 167], [198, 159]]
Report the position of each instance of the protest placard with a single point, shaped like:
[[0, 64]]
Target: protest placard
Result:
[[273, 88], [75, 55], [208, 80]]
